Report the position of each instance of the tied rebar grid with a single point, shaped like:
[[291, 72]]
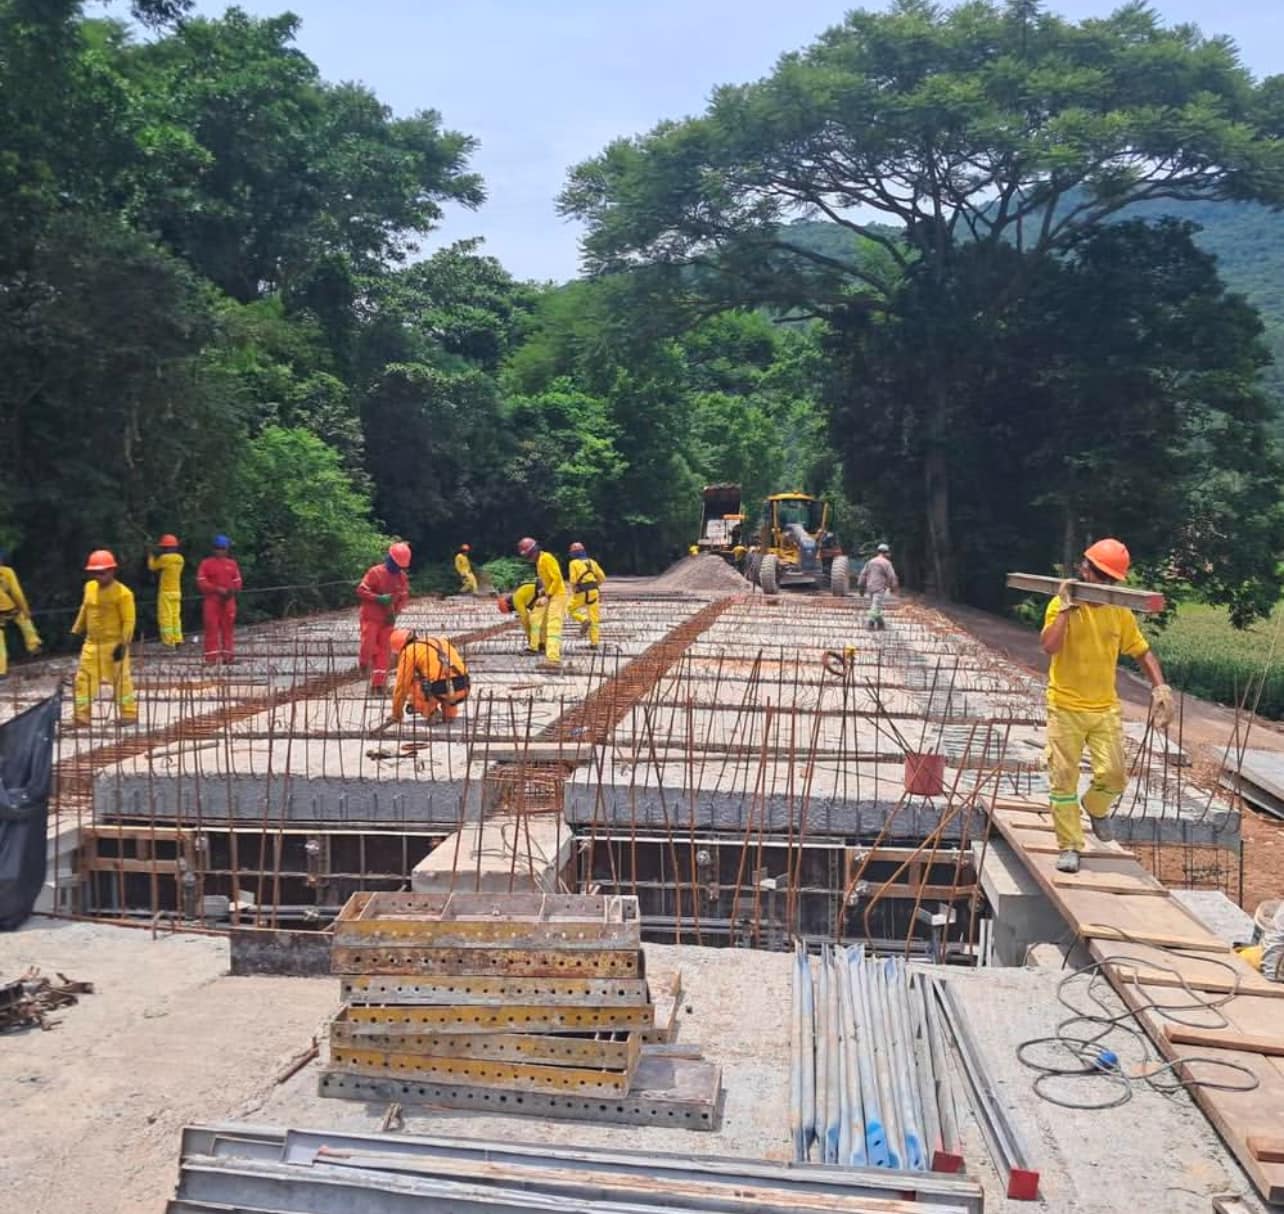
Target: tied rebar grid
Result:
[[286, 689]]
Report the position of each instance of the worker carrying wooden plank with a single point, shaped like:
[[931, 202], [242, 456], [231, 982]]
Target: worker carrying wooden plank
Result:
[[1084, 641]]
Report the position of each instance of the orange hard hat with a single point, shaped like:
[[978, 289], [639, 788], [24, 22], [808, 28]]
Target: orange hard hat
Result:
[[1111, 557], [400, 553], [100, 560], [505, 604], [401, 637], [526, 545], [168, 541]]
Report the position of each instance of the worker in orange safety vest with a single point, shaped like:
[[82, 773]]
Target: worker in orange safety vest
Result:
[[431, 676]]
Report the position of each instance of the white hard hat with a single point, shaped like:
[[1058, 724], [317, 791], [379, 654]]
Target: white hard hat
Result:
[[883, 548]]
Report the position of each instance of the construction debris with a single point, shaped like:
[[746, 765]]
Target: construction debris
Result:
[[521, 1002], [26, 1002], [241, 1167]]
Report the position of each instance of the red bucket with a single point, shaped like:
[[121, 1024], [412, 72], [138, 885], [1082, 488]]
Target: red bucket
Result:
[[924, 774]]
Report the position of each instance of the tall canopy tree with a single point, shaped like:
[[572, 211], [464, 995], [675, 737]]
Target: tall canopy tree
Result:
[[991, 124]]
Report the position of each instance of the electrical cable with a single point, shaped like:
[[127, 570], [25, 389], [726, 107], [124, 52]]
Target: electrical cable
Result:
[[1096, 1061]]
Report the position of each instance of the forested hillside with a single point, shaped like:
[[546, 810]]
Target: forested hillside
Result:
[[215, 313]]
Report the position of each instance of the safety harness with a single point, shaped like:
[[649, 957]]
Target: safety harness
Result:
[[454, 686]]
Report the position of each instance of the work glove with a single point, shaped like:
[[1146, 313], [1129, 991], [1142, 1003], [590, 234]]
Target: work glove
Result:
[[118, 653], [1161, 705], [384, 600], [1065, 592]]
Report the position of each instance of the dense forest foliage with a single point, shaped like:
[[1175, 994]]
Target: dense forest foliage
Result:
[[215, 314]]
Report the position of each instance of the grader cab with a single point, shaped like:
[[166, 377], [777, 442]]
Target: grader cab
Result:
[[795, 547]]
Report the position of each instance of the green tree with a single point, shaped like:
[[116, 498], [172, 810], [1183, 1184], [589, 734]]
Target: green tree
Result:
[[960, 127], [298, 522]]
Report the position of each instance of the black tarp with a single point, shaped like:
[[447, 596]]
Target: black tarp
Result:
[[26, 773]]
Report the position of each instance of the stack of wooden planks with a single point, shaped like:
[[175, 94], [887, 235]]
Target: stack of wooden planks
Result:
[[1152, 951], [525, 1003]]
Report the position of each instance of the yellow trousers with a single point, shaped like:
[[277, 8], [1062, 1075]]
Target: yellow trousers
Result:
[[468, 583], [1068, 733], [588, 607], [546, 623], [169, 616], [96, 667], [30, 638]]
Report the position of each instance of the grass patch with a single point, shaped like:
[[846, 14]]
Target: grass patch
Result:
[[1203, 655]]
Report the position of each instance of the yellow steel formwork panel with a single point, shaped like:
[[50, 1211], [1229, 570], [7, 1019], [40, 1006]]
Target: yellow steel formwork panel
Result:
[[383, 958], [394, 988], [515, 1076], [507, 1019]]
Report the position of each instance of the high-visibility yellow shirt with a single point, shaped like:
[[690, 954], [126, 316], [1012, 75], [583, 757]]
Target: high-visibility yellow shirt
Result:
[[1081, 676], [170, 567], [106, 614], [550, 575], [463, 566], [585, 569], [11, 596]]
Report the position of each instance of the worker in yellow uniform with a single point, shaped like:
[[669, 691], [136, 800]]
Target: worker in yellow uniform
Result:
[[1084, 641], [586, 578], [14, 609], [522, 602], [431, 675], [464, 567], [550, 610], [169, 595], [106, 621]]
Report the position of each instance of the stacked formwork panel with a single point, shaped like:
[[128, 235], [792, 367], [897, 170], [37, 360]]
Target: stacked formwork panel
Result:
[[520, 1002]]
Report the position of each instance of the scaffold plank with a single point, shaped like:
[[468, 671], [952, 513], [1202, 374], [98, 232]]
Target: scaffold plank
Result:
[[479, 962], [553, 992], [524, 1018]]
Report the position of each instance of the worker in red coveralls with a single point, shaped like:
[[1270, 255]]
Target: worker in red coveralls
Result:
[[218, 578], [383, 592]]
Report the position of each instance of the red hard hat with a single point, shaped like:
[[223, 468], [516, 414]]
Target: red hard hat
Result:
[[505, 604], [1111, 557], [100, 560], [400, 553], [168, 541], [526, 545], [401, 637]]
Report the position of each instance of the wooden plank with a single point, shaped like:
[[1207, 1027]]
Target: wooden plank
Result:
[[119, 864], [1221, 975], [1109, 883], [1268, 1150], [1046, 848], [1237, 1116], [1148, 601], [1223, 1040], [1202, 944]]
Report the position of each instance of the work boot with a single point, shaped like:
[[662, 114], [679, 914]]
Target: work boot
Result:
[[1101, 828], [1068, 861]]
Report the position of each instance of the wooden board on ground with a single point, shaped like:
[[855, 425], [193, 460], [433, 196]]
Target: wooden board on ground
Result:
[[1200, 973], [1224, 1039], [1237, 1116], [1110, 883], [1268, 1150]]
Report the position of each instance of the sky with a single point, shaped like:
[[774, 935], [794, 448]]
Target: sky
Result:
[[545, 84]]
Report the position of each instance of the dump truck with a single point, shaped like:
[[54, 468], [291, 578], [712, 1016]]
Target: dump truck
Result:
[[795, 547], [721, 523]]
